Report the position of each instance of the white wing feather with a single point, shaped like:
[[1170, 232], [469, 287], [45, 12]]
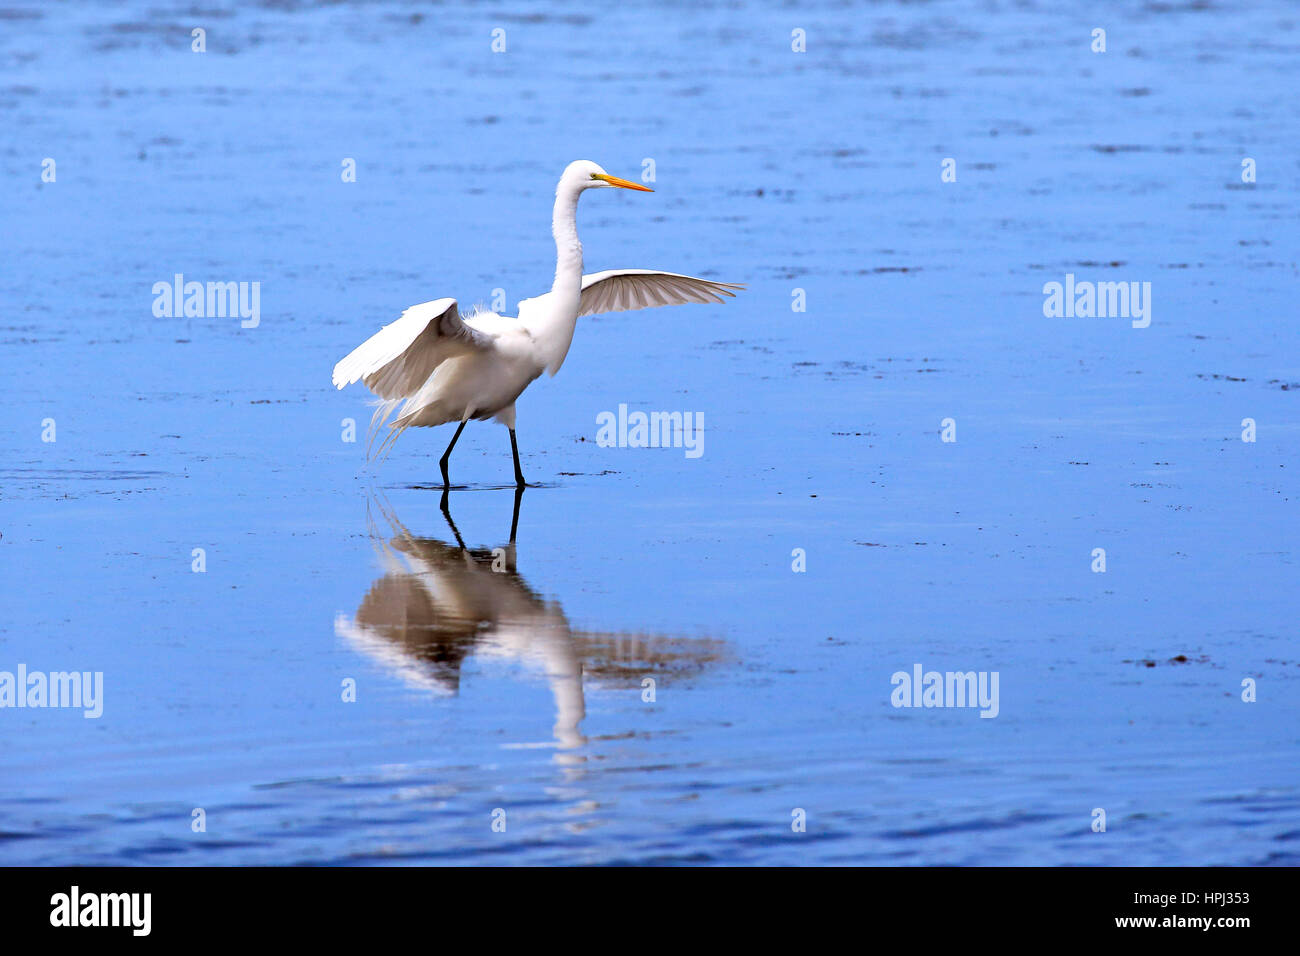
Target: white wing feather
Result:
[[400, 357], [622, 290]]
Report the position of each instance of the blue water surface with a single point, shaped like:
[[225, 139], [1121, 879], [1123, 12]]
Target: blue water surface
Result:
[[507, 685]]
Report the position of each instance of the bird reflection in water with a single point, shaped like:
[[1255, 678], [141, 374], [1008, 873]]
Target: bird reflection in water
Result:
[[438, 602]]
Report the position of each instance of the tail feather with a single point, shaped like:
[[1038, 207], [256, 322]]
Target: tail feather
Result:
[[386, 446], [383, 409], [411, 408]]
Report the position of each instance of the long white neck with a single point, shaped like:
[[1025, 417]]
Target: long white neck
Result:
[[568, 249], [556, 328]]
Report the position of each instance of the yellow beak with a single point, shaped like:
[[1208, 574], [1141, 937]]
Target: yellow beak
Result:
[[622, 183]]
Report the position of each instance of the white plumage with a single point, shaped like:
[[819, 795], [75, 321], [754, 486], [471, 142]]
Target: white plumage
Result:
[[432, 366]]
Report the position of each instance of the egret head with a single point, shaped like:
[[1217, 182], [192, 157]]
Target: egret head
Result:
[[584, 174]]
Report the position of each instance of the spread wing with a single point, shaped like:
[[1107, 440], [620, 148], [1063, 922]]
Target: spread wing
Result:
[[400, 357], [621, 290]]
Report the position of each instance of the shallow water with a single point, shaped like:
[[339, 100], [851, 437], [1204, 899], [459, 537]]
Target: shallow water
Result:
[[521, 690]]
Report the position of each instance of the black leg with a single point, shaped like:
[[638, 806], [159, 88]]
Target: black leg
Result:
[[442, 463], [514, 448], [446, 513], [514, 520]]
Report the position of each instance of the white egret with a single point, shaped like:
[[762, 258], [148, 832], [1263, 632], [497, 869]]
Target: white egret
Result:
[[438, 603], [440, 367]]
